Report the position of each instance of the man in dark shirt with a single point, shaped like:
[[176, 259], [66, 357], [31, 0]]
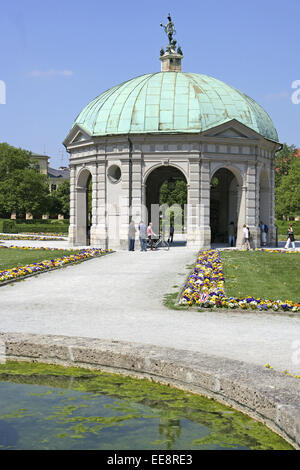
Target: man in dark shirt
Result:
[[170, 239]]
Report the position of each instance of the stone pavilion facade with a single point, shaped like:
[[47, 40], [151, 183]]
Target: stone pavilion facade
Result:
[[130, 139]]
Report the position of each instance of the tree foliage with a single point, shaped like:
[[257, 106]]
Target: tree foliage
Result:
[[287, 192], [24, 191], [12, 159], [59, 200], [283, 161], [22, 188], [173, 193]]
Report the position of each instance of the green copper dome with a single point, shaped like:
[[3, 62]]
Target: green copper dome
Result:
[[172, 102]]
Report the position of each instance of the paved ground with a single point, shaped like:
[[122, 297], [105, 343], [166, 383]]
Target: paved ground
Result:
[[120, 296]]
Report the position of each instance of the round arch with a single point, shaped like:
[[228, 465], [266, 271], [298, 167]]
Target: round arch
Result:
[[233, 169], [83, 178], [83, 206], [161, 215], [160, 165], [225, 203]]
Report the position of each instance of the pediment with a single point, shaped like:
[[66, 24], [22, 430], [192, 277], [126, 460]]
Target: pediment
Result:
[[232, 129], [79, 138], [231, 132], [76, 135]]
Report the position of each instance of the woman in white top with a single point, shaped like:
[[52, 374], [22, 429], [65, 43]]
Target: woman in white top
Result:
[[246, 237]]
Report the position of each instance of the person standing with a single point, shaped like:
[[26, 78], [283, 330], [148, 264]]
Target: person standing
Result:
[[171, 234], [231, 234], [246, 237], [143, 236], [263, 233], [151, 235], [290, 238], [131, 235]]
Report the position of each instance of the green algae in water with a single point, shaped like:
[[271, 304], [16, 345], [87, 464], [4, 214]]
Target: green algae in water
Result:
[[51, 407]]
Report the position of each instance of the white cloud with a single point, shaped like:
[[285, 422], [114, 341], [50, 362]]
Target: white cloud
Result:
[[280, 95], [51, 73]]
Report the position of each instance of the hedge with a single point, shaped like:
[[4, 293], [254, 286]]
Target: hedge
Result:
[[8, 226], [43, 221], [44, 228], [31, 226]]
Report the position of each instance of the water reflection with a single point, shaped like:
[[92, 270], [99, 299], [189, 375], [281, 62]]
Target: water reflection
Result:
[[106, 411]]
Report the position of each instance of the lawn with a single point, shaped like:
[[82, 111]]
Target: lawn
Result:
[[264, 275], [14, 257]]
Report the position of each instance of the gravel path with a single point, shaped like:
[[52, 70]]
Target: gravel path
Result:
[[120, 296]]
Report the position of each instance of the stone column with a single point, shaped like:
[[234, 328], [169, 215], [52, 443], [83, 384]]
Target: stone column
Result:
[[258, 195], [125, 201], [193, 199], [72, 221], [136, 192], [145, 215], [99, 228], [94, 195], [204, 205], [251, 208], [241, 211]]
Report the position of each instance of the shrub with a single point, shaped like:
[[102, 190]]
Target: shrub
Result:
[[43, 221], [44, 228], [8, 226]]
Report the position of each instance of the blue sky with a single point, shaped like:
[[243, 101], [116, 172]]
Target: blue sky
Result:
[[56, 56]]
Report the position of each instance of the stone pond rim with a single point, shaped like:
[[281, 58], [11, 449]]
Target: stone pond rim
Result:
[[263, 394], [172, 102]]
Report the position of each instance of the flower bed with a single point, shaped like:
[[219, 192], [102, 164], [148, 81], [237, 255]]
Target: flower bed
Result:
[[47, 234], [205, 288], [34, 268], [45, 248], [30, 237]]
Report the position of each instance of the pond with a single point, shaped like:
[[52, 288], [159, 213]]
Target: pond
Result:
[[52, 407]]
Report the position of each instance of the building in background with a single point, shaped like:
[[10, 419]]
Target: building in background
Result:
[[41, 162], [56, 177]]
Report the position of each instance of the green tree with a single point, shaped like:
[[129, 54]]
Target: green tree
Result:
[[283, 161], [25, 191], [173, 193], [287, 193], [60, 199], [22, 188], [53, 205], [12, 159]]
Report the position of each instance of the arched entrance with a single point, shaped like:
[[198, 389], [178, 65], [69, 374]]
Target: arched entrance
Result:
[[166, 199], [84, 207], [224, 205]]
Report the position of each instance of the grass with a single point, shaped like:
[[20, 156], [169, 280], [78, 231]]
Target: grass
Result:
[[169, 301], [15, 257], [270, 276]]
